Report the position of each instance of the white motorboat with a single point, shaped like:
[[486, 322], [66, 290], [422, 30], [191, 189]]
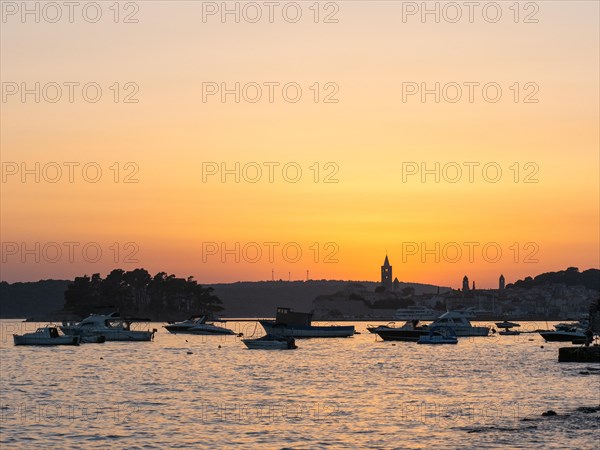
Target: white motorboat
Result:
[[270, 342], [112, 327], [458, 321], [197, 325], [46, 336], [416, 313], [439, 335]]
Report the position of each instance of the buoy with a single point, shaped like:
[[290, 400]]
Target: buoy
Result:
[[219, 346], [542, 346]]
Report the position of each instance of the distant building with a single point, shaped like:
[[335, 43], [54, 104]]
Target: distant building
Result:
[[473, 285], [501, 282], [396, 284], [386, 274], [465, 287]]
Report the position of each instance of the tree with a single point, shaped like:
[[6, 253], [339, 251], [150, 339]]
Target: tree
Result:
[[138, 292]]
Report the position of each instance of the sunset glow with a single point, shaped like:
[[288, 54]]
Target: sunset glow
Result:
[[360, 195]]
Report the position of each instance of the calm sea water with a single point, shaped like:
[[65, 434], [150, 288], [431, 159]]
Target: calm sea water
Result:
[[329, 393]]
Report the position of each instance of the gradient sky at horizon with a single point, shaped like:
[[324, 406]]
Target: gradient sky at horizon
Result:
[[367, 135]]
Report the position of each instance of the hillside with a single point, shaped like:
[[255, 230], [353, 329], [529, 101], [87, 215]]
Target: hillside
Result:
[[45, 298], [40, 298], [260, 299], [571, 277]]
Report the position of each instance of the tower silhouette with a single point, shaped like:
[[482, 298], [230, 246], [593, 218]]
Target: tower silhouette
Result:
[[386, 274], [465, 284]]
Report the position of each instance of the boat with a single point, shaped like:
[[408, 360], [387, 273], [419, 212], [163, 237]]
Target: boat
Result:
[[46, 336], [299, 325], [416, 313], [411, 331], [582, 324], [574, 335], [271, 342], [112, 326], [509, 332], [507, 325], [567, 332], [461, 325], [197, 325], [507, 328], [375, 329], [439, 335]]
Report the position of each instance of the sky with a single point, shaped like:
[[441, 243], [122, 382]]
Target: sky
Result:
[[313, 137]]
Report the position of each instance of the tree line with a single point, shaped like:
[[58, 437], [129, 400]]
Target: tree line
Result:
[[136, 292]]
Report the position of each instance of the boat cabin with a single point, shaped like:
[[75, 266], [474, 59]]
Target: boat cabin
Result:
[[53, 332], [288, 317]]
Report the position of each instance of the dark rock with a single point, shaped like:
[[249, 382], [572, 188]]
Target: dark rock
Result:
[[549, 413], [588, 409], [579, 354]]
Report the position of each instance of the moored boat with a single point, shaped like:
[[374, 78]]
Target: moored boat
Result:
[[112, 327], [46, 336], [507, 328], [439, 335], [411, 331], [566, 332], [299, 325], [507, 325], [197, 325], [458, 321], [575, 335], [270, 342], [509, 332]]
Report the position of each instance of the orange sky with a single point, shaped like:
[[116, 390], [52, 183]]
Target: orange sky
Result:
[[370, 137]]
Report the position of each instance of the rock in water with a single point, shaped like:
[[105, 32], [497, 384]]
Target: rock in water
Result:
[[579, 354]]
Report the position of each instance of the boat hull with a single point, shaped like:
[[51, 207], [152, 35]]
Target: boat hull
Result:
[[307, 331], [401, 335], [471, 331], [256, 344], [436, 340], [112, 334], [563, 336], [208, 331], [33, 340], [175, 329], [93, 339]]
